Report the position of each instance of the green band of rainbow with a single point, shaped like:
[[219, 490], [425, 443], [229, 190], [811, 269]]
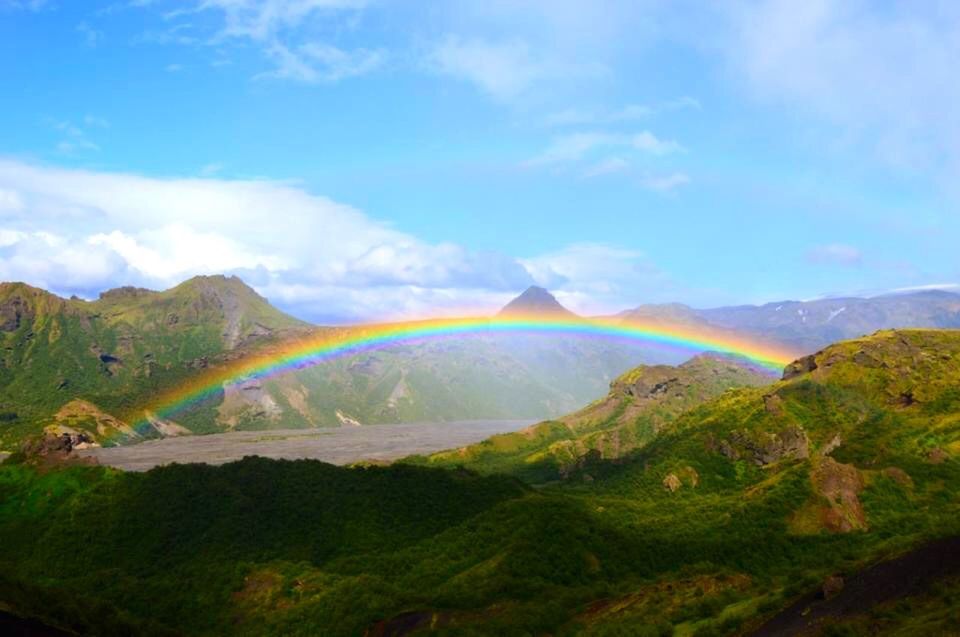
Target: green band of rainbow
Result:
[[328, 344]]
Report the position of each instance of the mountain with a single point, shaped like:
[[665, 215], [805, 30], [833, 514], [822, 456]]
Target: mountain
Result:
[[113, 353], [640, 404], [810, 325], [535, 301], [825, 503], [122, 347]]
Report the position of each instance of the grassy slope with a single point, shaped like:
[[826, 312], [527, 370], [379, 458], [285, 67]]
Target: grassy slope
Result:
[[641, 403], [263, 547]]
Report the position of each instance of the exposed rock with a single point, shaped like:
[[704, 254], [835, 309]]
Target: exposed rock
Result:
[[773, 403], [800, 367], [840, 485], [729, 451], [125, 292], [13, 312], [907, 399], [832, 586], [347, 421], [53, 449], [672, 483], [937, 456], [831, 446], [767, 448], [166, 428], [864, 359]]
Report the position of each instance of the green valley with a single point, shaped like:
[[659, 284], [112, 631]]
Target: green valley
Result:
[[724, 513]]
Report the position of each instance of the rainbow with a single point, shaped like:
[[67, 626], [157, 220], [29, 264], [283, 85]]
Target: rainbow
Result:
[[331, 343]]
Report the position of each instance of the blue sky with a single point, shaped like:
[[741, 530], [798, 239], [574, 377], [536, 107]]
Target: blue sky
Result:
[[374, 159]]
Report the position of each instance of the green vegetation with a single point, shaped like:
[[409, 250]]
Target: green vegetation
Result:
[[641, 403], [728, 513], [131, 344]]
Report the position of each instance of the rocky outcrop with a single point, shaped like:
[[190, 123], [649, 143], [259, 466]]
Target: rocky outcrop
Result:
[[55, 449], [126, 292], [687, 476], [839, 486], [832, 587], [13, 312], [672, 483], [765, 448], [800, 367], [347, 421]]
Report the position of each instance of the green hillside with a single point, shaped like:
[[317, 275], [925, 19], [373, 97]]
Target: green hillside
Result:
[[641, 403], [730, 513], [86, 366], [116, 350]]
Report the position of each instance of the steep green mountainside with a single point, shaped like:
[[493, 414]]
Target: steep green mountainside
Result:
[[735, 510], [811, 325], [118, 349], [88, 367], [640, 404]]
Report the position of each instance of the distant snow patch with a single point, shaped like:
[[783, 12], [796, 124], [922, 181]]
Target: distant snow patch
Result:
[[835, 313]]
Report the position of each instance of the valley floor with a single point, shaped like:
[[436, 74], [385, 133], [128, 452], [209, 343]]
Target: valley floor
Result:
[[340, 445]]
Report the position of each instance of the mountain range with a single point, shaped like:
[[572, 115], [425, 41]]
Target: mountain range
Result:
[[810, 325], [74, 365]]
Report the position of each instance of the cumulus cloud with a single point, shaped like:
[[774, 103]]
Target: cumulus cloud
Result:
[[835, 254], [79, 232]]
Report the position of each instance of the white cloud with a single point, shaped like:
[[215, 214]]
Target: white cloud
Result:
[[665, 183], [835, 254], [947, 287], [576, 146], [594, 278], [628, 113], [262, 20], [648, 142], [75, 138], [284, 31], [886, 76], [79, 232], [609, 166], [10, 201], [502, 69], [313, 62], [91, 37]]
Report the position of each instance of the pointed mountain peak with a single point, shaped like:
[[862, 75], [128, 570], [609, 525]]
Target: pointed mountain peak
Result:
[[535, 301]]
